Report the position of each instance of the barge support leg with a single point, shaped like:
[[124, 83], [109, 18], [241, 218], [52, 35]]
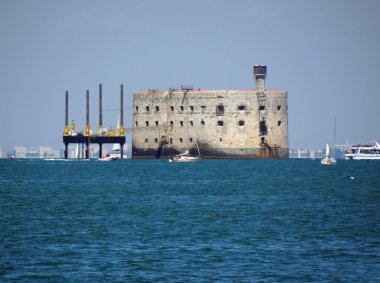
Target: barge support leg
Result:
[[66, 150]]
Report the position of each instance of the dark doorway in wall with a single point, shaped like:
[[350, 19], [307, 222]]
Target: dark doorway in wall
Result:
[[263, 128]]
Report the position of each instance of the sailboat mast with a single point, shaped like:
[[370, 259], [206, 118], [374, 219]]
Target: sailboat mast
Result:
[[333, 145]]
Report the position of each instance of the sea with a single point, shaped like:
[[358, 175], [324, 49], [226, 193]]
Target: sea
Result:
[[130, 220]]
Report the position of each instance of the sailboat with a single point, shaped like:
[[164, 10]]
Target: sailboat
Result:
[[77, 151], [327, 160]]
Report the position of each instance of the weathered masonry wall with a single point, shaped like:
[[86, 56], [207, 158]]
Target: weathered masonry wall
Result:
[[223, 123]]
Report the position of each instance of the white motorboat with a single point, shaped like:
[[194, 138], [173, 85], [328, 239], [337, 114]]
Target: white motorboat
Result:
[[370, 151], [183, 157], [108, 157]]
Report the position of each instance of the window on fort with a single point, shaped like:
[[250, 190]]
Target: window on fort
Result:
[[181, 123], [191, 123], [147, 108], [172, 108], [181, 107], [262, 107], [137, 124], [241, 107], [171, 123], [156, 140], [241, 123], [192, 108], [262, 140], [180, 139], [146, 123], [191, 139], [146, 140], [279, 123], [156, 123], [203, 107], [263, 128], [220, 109], [157, 108], [137, 109], [220, 139], [171, 140], [278, 107], [203, 123], [220, 123]]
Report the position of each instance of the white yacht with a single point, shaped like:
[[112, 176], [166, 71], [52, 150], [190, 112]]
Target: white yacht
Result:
[[108, 157], [183, 157], [369, 151]]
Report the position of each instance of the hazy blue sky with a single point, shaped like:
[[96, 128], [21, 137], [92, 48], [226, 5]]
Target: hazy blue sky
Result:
[[325, 53]]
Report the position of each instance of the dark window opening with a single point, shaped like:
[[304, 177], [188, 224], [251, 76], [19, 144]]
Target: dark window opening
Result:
[[262, 107], [156, 140], [191, 123], [220, 139], [171, 140], [278, 107], [137, 123], [171, 123], [220, 123], [220, 109], [241, 107], [181, 107], [146, 123], [181, 123], [241, 123], [191, 139], [156, 123], [203, 123], [146, 140], [191, 108], [172, 108], [263, 128], [262, 140], [279, 123], [157, 108], [180, 140], [137, 109], [147, 108]]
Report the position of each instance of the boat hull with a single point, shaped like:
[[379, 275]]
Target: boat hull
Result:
[[362, 156], [328, 161]]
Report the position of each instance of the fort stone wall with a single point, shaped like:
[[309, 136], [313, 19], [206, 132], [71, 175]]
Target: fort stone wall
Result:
[[216, 123]]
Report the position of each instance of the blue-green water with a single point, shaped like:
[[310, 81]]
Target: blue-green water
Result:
[[215, 220]]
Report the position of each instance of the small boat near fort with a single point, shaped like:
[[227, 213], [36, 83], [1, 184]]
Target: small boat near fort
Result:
[[183, 157], [370, 151], [108, 157]]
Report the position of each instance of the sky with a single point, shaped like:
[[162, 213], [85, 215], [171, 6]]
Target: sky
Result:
[[325, 54]]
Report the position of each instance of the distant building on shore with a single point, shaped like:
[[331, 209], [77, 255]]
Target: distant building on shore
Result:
[[36, 152]]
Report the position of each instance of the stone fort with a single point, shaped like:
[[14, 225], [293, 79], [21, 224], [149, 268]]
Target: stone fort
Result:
[[246, 124]]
